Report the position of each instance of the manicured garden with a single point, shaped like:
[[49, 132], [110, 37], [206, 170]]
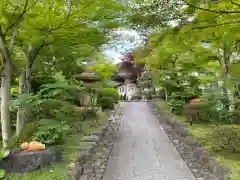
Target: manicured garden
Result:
[[204, 134], [70, 149]]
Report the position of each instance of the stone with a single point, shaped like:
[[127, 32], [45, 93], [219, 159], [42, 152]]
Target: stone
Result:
[[98, 131], [86, 146], [189, 140], [183, 132], [216, 169], [202, 155], [94, 152], [201, 163], [92, 138], [170, 122], [75, 171], [83, 157], [198, 152], [27, 161]]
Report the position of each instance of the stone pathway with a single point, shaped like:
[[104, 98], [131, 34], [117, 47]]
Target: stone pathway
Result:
[[143, 151]]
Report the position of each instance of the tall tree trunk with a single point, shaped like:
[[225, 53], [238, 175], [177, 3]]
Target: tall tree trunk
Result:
[[21, 114], [28, 76], [166, 94], [5, 97], [225, 64]]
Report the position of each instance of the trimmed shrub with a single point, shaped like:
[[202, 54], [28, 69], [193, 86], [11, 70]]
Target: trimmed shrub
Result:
[[106, 102], [109, 92], [227, 138]]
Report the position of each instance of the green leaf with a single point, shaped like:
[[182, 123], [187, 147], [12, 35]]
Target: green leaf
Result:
[[2, 173]]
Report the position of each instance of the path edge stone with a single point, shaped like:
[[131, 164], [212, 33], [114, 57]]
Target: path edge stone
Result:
[[199, 161], [91, 163]]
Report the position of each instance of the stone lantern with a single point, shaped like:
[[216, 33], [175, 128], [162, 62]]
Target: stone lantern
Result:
[[89, 80]]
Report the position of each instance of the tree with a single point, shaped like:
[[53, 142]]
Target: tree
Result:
[[179, 60], [152, 14], [103, 68], [38, 28], [12, 17]]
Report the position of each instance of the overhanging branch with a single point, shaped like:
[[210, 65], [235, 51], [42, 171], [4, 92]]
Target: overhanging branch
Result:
[[211, 10]]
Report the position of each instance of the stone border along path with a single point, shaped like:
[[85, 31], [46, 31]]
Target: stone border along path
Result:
[[201, 163], [143, 151], [94, 149]]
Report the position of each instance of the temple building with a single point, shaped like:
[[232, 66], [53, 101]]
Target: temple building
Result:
[[126, 76]]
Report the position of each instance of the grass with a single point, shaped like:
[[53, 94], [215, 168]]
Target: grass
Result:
[[59, 171], [202, 133]]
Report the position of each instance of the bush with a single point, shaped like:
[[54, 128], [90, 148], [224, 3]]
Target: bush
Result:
[[202, 111], [176, 106], [227, 138], [106, 103], [232, 117], [50, 132], [109, 92], [51, 108], [26, 135], [178, 99]]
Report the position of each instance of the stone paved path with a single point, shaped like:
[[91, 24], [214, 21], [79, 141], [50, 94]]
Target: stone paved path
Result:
[[143, 151]]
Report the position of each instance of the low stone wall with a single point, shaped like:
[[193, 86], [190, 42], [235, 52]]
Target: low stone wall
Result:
[[201, 163], [95, 149]]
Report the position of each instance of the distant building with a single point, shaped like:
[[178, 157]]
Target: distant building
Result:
[[127, 75]]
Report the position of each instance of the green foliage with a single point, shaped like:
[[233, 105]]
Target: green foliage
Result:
[[2, 173], [3, 154], [231, 117], [26, 135], [50, 132], [109, 92], [176, 106], [39, 80], [52, 101], [106, 102], [103, 68], [228, 138], [197, 54], [178, 100]]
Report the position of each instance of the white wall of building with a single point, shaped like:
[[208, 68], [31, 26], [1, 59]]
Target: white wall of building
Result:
[[128, 89]]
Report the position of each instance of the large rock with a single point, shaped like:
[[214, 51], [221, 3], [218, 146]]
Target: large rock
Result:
[[27, 161]]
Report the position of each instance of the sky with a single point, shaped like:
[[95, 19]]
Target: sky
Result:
[[126, 39]]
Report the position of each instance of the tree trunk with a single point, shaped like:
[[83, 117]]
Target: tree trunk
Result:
[[28, 76], [5, 97], [166, 94], [21, 111]]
